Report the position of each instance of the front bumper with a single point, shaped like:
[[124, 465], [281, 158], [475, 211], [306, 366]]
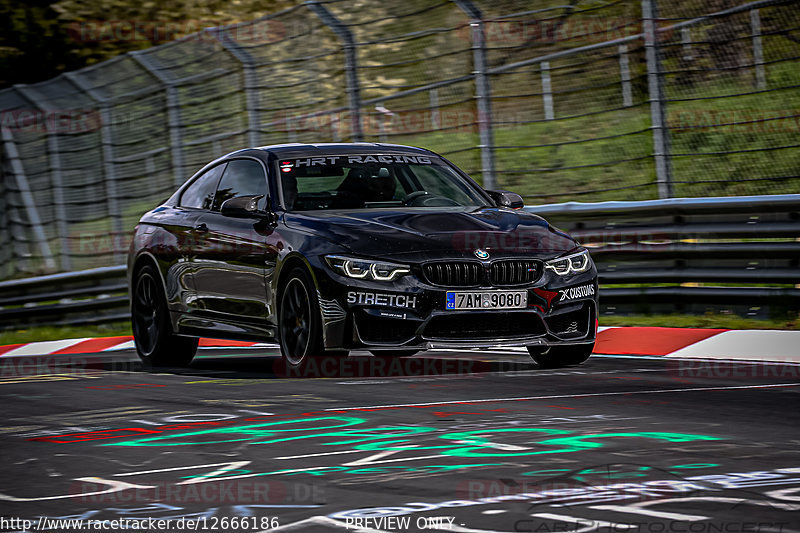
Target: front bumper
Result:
[[410, 313]]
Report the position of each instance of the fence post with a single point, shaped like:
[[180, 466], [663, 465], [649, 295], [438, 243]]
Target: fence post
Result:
[[56, 179], [334, 124], [250, 82], [350, 64], [547, 91], [686, 43], [27, 198], [433, 98], [173, 113], [625, 76], [114, 211], [482, 91], [655, 87], [758, 49]]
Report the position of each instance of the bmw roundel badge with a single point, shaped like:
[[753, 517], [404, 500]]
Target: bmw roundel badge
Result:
[[481, 254]]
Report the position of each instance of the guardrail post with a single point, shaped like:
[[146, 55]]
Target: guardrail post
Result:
[[173, 113], [661, 151], [55, 177], [758, 49], [18, 172], [625, 76], [482, 91], [250, 81], [112, 203], [350, 64]]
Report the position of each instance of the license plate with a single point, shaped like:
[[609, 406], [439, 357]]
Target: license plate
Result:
[[487, 300]]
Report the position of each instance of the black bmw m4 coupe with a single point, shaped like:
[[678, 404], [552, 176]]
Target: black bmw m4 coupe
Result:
[[327, 248]]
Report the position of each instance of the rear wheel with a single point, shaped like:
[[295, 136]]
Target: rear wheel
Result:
[[394, 353], [155, 342], [560, 356]]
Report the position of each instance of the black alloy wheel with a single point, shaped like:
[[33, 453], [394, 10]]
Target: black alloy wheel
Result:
[[152, 332], [299, 320]]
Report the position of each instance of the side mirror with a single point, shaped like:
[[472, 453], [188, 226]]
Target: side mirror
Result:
[[507, 199], [242, 207]]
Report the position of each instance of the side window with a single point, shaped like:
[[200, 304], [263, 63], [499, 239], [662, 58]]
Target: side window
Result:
[[243, 177], [200, 194]]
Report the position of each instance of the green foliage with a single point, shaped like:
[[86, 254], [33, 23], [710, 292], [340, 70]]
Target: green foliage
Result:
[[33, 43], [54, 333], [40, 39]]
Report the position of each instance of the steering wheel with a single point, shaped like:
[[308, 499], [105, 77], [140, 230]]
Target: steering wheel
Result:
[[412, 197]]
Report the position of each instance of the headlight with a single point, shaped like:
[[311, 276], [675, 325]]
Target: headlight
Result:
[[571, 264], [366, 269]]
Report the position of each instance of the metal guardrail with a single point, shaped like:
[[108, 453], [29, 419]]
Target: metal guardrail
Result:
[[689, 255], [89, 296], [621, 100], [739, 254]]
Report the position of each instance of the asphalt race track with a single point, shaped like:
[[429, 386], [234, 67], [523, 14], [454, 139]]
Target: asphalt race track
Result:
[[466, 442]]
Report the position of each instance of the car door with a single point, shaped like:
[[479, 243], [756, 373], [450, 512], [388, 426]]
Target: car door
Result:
[[232, 253], [196, 199]]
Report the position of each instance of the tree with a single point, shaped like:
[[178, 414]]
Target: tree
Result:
[[43, 38]]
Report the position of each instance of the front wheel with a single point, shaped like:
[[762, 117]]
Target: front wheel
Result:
[[299, 321], [155, 342], [561, 356]]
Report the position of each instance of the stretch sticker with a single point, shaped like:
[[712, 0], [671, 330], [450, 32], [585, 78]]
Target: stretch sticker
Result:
[[376, 298]]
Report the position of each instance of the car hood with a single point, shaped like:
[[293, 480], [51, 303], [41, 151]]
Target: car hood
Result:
[[436, 232]]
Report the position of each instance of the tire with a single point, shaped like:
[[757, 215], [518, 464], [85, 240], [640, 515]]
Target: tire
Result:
[[299, 320], [394, 353], [155, 341], [561, 356]]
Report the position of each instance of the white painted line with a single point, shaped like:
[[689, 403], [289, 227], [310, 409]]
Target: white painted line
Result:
[[304, 524], [43, 347], [461, 529], [231, 465], [557, 396], [590, 525], [754, 345], [318, 454], [633, 509]]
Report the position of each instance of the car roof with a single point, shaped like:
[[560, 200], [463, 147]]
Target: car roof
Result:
[[301, 149]]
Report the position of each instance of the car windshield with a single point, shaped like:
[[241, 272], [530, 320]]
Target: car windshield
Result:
[[373, 181]]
